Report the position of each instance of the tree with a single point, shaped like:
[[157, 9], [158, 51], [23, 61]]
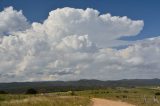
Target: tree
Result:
[[31, 91], [157, 93], [3, 92], [72, 93]]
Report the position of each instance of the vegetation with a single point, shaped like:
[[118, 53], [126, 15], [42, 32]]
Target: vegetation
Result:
[[64, 86], [43, 100], [31, 91], [135, 96], [3, 92], [8, 97], [79, 93], [157, 93]]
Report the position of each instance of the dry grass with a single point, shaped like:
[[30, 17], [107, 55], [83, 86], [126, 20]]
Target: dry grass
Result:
[[48, 101], [131, 95], [82, 98]]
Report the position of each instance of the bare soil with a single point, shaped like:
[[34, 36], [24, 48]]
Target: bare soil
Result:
[[105, 102]]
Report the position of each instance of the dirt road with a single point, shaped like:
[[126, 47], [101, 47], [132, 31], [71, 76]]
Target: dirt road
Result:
[[105, 102]]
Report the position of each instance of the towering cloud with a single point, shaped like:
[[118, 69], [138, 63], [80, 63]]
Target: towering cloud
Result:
[[72, 44], [12, 21], [102, 29]]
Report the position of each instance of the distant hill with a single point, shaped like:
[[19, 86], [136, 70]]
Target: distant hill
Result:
[[54, 86]]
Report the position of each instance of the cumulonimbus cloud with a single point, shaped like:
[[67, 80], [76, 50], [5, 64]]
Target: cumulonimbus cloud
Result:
[[72, 44]]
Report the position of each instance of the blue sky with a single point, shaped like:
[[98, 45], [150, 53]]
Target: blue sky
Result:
[[147, 10]]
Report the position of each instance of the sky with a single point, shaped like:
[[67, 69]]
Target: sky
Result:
[[47, 40]]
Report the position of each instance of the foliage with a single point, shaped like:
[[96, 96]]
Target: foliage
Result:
[[48, 100], [157, 93], [3, 92], [31, 91]]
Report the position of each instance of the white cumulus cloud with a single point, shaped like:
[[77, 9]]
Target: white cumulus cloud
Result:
[[73, 44], [102, 29], [12, 21]]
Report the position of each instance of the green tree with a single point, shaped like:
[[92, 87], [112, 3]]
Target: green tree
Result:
[[31, 91]]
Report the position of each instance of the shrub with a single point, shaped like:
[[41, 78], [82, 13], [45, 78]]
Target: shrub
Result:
[[157, 93], [135, 92], [3, 92], [125, 91], [72, 93], [117, 96], [31, 91], [124, 96]]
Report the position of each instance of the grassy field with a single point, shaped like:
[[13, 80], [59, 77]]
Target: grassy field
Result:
[[82, 98], [43, 100], [131, 95]]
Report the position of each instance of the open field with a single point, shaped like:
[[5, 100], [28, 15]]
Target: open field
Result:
[[136, 96], [43, 100]]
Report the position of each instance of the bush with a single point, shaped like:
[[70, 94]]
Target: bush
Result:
[[124, 96], [3, 92], [125, 91], [135, 92], [31, 91], [157, 93], [72, 93], [117, 96]]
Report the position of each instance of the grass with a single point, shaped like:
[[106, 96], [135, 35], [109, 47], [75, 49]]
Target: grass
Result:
[[8, 97], [130, 95], [82, 98], [43, 100]]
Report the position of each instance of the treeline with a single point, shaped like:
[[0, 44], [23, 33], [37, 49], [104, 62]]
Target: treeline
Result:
[[63, 86], [49, 89]]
